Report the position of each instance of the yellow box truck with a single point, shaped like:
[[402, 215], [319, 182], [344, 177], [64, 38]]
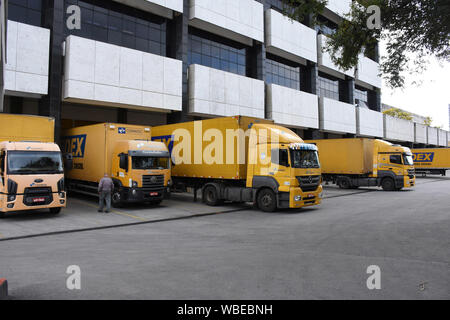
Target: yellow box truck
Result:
[[353, 163], [243, 159], [31, 165], [139, 167], [432, 161]]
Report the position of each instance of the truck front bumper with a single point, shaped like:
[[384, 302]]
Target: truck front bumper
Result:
[[137, 195], [409, 182], [59, 200], [296, 198]]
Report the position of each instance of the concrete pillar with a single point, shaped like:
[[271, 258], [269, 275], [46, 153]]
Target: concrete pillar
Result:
[[347, 90]]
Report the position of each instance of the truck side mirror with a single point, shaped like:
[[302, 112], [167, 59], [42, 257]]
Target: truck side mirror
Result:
[[68, 161], [123, 163]]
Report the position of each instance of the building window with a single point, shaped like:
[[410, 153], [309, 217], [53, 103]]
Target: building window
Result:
[[114, 23], [326, 26], [282, 72], [328, 86], [214, 52], [25, 11], [361, 95]]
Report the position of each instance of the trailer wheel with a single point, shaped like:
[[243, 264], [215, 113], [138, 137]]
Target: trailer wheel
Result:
[[388, 184], [211, 196], [267, 200], [344, 183], [55, 210]]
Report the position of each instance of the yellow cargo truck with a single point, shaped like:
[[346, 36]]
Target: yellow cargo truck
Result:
[[243, 159], [432, 161], [139, 167], [353, 163], [31, 166]]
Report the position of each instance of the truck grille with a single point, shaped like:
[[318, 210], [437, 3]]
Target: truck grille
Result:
[[411, 173], [37, 196], [309, 183], [153, 183]]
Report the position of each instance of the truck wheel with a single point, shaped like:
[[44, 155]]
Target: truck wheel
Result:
[[2, 215], [267, 200], [210, 196], [388, 184], [55, 210], [344, 183], [116, 200]]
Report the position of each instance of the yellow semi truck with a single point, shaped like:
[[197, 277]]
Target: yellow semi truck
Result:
[[139, 167], [353, 163], [31, 165], [432, 161], [242, 159]]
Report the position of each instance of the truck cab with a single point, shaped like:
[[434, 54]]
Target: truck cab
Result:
[[31, 177], [292, 169], [140, 171], [395, 166]]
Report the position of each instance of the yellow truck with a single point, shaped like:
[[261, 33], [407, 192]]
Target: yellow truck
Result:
[[139, 167], [432, 161], [242, 159], [31, 165], [353, 163]]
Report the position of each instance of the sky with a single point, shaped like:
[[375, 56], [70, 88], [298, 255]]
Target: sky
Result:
[[430, 98]]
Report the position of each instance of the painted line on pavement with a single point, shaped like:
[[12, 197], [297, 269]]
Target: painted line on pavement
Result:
[[112, 211]]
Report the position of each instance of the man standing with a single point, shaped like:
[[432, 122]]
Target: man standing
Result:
[[105, 189]]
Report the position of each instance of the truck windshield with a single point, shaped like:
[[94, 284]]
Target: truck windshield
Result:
[[304, 159], [408, 159], [34, 162], [150, 163]]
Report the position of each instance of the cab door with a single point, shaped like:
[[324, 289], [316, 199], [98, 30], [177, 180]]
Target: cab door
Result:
[[391, 162]]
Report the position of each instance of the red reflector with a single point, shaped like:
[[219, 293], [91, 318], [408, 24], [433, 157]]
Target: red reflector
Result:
[[154, 194]]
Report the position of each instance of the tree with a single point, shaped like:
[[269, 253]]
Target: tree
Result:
[[412, 29], [397, 113], [428, 121]]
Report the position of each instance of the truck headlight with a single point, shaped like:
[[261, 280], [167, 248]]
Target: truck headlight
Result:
[[298, 198], [11, 198]]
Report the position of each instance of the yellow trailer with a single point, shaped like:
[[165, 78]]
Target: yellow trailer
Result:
[[432, 161], [31, 166], [139, 167], [353, 163], [243, 159]]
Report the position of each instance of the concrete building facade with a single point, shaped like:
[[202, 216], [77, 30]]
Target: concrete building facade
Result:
[[155, 62]]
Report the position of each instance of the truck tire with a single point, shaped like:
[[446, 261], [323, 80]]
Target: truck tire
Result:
[[267, 200], [116, 200], [388, 184], [211, 196], [2, 215], [344, 183], [55, 210]]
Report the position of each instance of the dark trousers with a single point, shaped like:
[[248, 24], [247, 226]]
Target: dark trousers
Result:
[[105, 196]]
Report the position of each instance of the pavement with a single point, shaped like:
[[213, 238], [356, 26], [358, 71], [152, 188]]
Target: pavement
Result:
[[187, 250]]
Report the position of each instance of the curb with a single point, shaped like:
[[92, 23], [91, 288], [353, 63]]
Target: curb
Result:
[[3, 289]]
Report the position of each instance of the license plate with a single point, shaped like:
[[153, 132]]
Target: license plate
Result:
[[35, 200], [310, 195], [154, 194]]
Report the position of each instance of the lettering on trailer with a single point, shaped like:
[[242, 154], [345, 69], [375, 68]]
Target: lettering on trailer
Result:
[[167, 140], [75, 145], [423, 157]]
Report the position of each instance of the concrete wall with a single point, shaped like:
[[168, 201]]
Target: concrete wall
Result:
[[289, 39], [340, 7], [368, 72], [163, 8], [420, 133], [27, 68], [369, 123], [217, 93], [109, 75], [398, 129], [291, 107], [336, 116], [432, 134], [244, 18], [442, 138], [324, 58]]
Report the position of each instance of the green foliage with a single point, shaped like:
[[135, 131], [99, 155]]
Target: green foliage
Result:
[[412, 29], [304, 10], [397, 113], [428, 121]]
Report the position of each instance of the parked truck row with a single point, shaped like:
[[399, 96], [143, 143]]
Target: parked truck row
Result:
[[236, 159]]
